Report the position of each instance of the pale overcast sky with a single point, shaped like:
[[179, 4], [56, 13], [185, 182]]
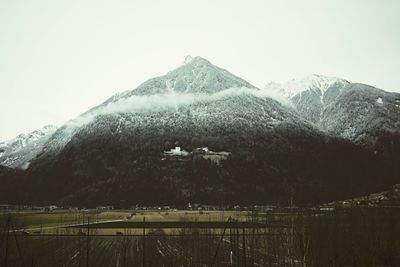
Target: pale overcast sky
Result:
[[60, 58]]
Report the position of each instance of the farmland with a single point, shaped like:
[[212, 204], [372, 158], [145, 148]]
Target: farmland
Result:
[[351, 236], [57, 221]]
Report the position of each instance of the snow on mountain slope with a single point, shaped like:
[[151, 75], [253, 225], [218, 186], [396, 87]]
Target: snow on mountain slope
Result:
[[197, 80], [196, 75], [213, 106], [353, 111], [314, 82], [361, 113], [18, 152], [217, 116], [309, 95]]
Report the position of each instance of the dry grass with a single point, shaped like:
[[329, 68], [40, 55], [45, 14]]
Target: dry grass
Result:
[[55, 221]]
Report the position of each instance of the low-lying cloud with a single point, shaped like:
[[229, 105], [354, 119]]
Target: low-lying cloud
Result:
[[140, 103], [170, 100]]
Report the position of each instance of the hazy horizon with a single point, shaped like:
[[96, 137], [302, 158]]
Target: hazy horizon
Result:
[[59, 59]]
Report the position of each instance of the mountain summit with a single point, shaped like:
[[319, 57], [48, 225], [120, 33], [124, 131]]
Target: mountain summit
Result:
[[196, 76], [310, 94], [315, 82], [188, 58]]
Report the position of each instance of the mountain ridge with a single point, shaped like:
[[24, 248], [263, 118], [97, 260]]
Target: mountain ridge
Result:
[[19, 151], [325, 106]]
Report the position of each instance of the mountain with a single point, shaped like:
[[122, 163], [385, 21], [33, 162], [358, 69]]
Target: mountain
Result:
[[18, 152], [201, 134], [196, 105], [196, 80], [358, 112]]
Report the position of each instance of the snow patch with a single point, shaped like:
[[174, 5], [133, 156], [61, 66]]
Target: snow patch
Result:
[[25, 165], [379, 101], [169, 86]]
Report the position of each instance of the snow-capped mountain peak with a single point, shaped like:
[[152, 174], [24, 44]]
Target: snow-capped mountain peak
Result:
[[310, 94], [314, 82], [24, 139], [197, 76]]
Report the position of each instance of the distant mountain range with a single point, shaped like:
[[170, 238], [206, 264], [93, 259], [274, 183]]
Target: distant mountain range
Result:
[[358, 112], [18, 152], [329, 139]]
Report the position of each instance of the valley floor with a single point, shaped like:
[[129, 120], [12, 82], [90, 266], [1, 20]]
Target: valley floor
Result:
[[355, 236]]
